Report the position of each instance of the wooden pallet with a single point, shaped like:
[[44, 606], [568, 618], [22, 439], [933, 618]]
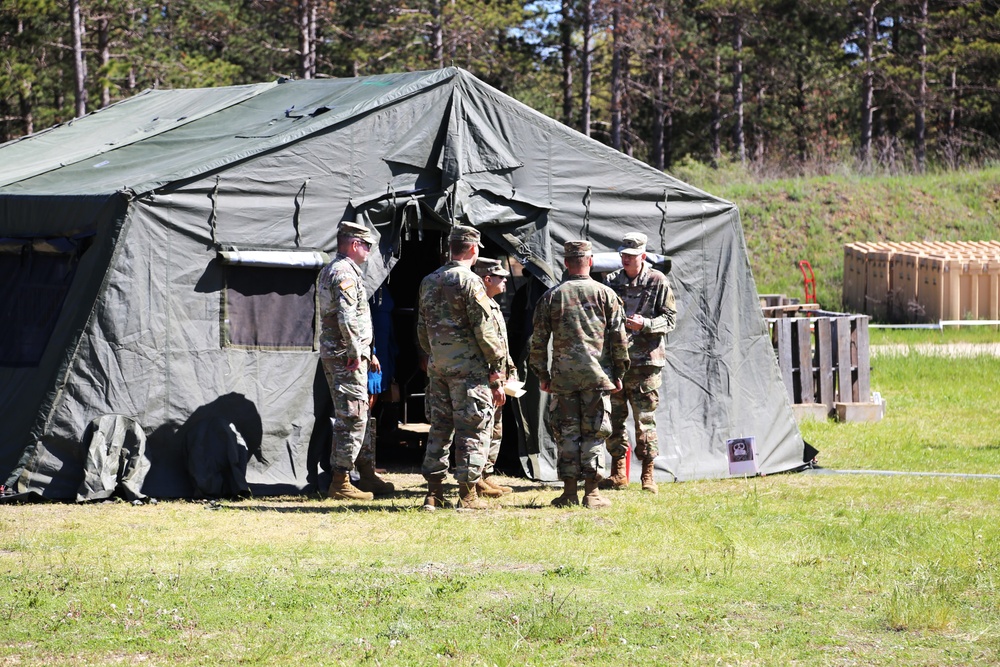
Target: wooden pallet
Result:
[[825, 359]]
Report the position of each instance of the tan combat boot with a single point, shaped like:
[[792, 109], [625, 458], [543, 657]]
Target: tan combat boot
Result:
[[342, 489], [488, 479], [619, 474], [435, 494], [569, 495], [592, 499], [486, 490], [647, 476], [468, 498], [370, 481]]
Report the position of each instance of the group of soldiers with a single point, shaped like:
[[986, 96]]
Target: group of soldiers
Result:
[[607, 351]]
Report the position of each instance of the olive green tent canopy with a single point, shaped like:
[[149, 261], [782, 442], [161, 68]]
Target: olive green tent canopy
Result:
[[160, 258]]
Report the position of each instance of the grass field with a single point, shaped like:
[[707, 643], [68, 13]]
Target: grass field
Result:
[[805, 569]]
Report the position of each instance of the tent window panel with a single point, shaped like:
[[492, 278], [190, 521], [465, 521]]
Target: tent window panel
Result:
[[34, 289], [270, 308]]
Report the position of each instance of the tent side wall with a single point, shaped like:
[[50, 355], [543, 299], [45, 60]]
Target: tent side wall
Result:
[[154, 350], [722, 379], [28, 391]]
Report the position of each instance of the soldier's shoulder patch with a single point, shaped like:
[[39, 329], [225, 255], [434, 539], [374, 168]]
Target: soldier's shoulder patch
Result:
[[479, 292], [347, 287]]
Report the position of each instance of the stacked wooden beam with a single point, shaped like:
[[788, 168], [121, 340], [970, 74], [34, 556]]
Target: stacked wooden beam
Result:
[[928, 281]]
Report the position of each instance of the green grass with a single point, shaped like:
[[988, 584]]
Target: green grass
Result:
[[811, 219], [942, 416], [976, 334], [805, 569]]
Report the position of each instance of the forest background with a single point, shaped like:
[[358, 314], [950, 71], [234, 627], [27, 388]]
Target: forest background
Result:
[[782, 87]]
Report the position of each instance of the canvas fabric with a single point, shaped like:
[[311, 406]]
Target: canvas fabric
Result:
[[163, 182], [116, 460]]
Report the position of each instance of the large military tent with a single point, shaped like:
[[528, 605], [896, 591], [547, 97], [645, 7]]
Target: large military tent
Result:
[[159, 257]]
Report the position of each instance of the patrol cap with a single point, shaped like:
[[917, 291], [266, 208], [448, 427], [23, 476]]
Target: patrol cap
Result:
[[355, 230], [633, 243], [577, 249], [466, 234], [490, 267]]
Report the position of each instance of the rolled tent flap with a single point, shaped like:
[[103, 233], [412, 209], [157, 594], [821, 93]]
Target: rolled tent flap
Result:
[[605, 262], [287, 258]]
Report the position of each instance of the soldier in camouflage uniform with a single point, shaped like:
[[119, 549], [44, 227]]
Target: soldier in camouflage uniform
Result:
[[464, 383], [650, 315], [495, 279], [346, 352], [585, 321]]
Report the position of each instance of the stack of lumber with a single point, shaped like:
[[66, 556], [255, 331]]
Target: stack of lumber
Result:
[[929, 281]]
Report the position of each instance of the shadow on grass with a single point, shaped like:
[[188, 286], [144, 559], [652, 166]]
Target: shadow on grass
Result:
[[353, 508], [404, 500]]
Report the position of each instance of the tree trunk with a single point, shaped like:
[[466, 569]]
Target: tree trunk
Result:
[[27, 114], [307, 39], [920, 115], [616, 76], [104, 56], [658, 151], [893, 121], [628, 142], [668, 118], [79, 62], [715, 128], [313, 41], [437, 34], [585, 66], [867, 86], [952, 145], [739, 142], [956, 99], [758, 127], [801, 142], [566, 40]]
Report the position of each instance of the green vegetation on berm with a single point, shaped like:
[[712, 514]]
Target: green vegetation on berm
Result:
[[811, 219]]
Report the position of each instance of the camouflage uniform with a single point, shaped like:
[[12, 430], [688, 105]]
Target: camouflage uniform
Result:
[[463, 348], [585, 321], [508, 371], [366, 456], [648, 295], [346, 334]]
